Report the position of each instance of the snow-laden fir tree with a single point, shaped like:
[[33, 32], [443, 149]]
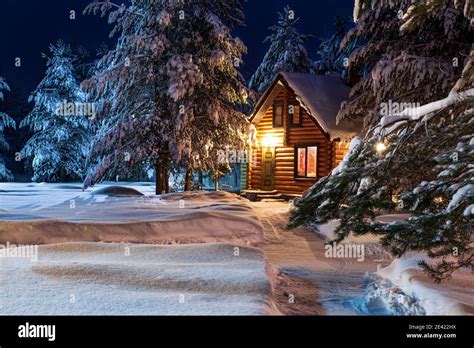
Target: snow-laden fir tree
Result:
[[332, 58], [393, 65], [170, 92], [5, 121], [126, 87], [287, 52], [419, 162], [59, 121], [207, 111]]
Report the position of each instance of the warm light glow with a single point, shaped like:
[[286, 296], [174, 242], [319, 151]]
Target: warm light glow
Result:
[[439, 200], [269, 141], [380, 147]]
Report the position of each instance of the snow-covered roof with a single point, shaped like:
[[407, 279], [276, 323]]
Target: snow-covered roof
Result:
[[320, 95]]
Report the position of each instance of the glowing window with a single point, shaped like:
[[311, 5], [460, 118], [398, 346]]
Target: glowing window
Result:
[[306, 162]]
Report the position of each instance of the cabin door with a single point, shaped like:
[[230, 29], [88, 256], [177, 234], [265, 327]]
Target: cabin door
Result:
[[268, 168]]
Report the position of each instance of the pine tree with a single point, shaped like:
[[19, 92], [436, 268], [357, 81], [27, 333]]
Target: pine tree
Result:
[[58, 146], [127, 87], [17, 107], [417, 66], [418, 162], [332, 59], [287, 52], [170, 91], [5, 121], [207, 111]]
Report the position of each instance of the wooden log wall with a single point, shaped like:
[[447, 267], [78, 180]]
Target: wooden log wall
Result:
[[329, 153]]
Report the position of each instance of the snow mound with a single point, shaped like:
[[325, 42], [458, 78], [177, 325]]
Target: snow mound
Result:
[[129, 279], [402, 288], [435, 299], [185, 228], [383, 297], [181, 218], [117, 191]]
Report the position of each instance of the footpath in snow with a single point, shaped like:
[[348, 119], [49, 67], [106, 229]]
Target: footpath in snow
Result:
[[376, 285]]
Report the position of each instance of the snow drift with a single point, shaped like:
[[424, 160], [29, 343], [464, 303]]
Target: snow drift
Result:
[[401, 287], [41, 214], [131, 279], [435, 299]]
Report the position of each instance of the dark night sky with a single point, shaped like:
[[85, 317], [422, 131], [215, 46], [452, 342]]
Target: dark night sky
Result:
[[27, 27]]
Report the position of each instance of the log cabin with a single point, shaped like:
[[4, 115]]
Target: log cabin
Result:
[[298, 140]]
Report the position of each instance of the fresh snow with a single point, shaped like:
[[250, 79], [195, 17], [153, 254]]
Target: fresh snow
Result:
[[54, 213], [100, 279], [460, 194], [401, 288], [353, 146], [424, 111], [403, 273], [383, 297], [322, 96]]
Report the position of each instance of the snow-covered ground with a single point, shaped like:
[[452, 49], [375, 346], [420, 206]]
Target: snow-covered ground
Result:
[[452, 297], [55, 213], [77, 273], [400, 287], [127, 279], [79, 277], [376, 285]]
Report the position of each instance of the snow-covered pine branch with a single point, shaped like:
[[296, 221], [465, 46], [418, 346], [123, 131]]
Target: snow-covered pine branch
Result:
[[413, 65], [425, 170], [423, 113]]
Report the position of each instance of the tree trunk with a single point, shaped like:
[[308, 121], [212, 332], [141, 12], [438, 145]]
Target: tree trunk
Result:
[[162, 183], [187, 179], [159, 188], [201, 180], [62, 174], [216, 182], [166, 182]]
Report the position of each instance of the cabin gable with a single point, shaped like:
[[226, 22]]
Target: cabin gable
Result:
[[293, 151], [286, 139]]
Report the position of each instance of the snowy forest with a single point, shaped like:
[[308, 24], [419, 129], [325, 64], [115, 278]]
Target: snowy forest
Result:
[[84, 118], [171, 93]]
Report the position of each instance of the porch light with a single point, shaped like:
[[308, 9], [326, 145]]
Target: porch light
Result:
[[380, 147], [269, 141], [396, 199]]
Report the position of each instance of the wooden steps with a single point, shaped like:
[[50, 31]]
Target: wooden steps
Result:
[[259, 195]]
